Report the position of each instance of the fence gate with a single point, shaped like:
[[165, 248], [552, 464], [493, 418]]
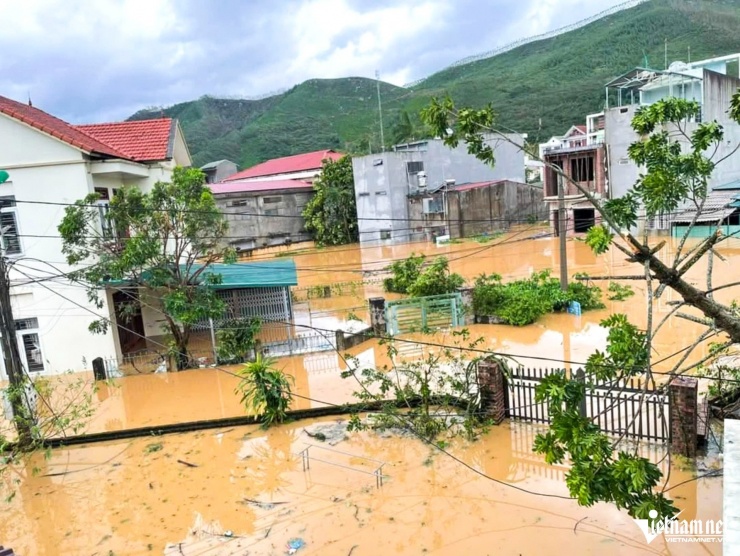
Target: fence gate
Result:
[[626, 407], [423, 313]]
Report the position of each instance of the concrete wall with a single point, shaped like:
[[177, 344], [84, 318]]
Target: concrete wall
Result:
[[619, 135], [496, 207], [223, 170], [382, 183], [247, 231], [381, 186]]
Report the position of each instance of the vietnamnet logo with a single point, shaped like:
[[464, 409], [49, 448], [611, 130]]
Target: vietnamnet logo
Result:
[[680, 531]]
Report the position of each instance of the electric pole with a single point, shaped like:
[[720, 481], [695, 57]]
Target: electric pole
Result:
[[11, 356], [380, 112], [562, 225]]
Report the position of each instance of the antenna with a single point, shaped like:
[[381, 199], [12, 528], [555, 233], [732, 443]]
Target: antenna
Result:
[[689, 54], [380, 112], [665, 63]]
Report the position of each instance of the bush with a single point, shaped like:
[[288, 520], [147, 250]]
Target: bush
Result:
[[404, 273], [523, 302], [436, 280], [236, 340], [410, 277]]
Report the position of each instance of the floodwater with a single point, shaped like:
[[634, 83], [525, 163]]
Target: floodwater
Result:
[[244, 491], [157, 399], [120, 498]]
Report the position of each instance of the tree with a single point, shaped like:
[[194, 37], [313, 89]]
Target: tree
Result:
[[402, 130], [163, 242], [331, 214], [678, 156], [265, 390]]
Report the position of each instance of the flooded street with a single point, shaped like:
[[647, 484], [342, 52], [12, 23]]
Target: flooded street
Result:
[[156, 399], [137, 496]]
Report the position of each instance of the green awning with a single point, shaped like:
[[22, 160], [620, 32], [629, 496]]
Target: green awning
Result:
[[263, 274], [278, 273]]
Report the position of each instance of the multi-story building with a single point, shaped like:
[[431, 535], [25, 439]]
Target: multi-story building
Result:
[[580, 156], [388, 184], [710, 82], [51, 164]]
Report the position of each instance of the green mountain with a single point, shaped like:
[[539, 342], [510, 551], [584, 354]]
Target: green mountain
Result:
[[540, 88]]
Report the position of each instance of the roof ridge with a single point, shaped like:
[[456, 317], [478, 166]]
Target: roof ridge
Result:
[[14, 109]]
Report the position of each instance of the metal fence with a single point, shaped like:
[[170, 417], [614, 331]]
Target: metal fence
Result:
[[423, 313], [629, 408]]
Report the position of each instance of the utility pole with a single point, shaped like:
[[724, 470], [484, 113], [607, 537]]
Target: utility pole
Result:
[[562, 224], [380, 112], [11, 356]]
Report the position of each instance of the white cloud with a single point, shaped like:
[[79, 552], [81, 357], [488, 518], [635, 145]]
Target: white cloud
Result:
[[105, 59]]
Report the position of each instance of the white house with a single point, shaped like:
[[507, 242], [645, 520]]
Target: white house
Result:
[[51, 164]]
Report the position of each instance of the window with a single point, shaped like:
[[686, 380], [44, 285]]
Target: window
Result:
[[381, 193], [414, 167], [237, 203], [272, 200], [582, 169], [271, 212], [734, 219], [432, 205], [364, 194], [385, 234], [103, 193], [26, 324], [31, 346], [9, 226]]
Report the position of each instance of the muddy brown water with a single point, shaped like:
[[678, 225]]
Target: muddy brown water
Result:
[[136, 497], [123, 497]]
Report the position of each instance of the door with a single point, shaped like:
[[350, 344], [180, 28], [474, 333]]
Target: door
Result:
[[130, 322], [583, 219]]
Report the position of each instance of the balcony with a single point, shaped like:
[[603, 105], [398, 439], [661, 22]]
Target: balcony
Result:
[[574, 149]]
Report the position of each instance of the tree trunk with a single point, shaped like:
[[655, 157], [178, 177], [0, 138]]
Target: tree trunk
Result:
[[723, 318]]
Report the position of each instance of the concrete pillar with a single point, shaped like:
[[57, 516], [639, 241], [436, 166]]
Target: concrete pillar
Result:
[[683, 403], [377, 315], [467, 301], [339, 336], [492, 384]]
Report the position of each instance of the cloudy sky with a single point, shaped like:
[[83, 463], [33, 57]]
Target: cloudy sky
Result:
[[94, 60]]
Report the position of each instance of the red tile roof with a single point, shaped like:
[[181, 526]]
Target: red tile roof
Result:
[[287, 165], [55, 127], [581, 128], [255, 186], [142, 140]]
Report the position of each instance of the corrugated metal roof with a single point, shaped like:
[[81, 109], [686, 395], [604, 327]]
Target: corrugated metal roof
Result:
[[256, 186], [287, 165], [733, 185], [264, 274], [717, 207]]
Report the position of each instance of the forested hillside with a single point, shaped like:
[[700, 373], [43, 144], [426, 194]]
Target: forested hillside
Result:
[[539, 88]]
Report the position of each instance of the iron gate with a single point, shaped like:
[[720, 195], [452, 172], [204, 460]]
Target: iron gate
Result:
[[423, 313], [627, 407]]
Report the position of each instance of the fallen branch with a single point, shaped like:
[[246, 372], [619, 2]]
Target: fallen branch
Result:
[[187, 463]]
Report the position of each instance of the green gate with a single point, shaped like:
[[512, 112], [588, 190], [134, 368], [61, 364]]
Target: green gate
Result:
[[418, 314]]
